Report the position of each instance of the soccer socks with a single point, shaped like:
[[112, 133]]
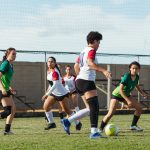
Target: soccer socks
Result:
[[135, 120], [103, 124], [78, 115], [49, 116], [61, 115], [7, 127], [94, 111]]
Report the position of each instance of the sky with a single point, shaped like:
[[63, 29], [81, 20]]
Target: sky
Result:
[[62, 25]]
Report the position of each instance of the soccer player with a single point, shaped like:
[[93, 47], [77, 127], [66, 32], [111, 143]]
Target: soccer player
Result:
[[55, 93], [69, 83], [6, 73], [122, 94], [85, 68]]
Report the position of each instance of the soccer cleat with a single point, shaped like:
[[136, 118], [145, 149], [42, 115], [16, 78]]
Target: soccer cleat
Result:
[[8, 133], [95, 135], [136, 128], [66, 125], [50, 126], [79, 126]]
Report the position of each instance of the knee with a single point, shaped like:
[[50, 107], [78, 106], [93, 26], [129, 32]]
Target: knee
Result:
[[139, 109], [46, 108], [7, 111], [93, 104]]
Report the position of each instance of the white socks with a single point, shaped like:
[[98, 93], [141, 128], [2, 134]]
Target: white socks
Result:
[[94, 130], [78, 115], [49, 116]]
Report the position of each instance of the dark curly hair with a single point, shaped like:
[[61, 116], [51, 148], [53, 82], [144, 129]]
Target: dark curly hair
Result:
[[92, 36], [134, 63]]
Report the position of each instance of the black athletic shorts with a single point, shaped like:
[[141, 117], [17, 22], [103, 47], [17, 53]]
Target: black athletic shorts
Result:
[[82, 86], [119, 99], [8, 94], [59, 98]]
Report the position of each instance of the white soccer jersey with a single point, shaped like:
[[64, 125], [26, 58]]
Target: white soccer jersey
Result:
[[60, 90], [85, 72], [70, 83]]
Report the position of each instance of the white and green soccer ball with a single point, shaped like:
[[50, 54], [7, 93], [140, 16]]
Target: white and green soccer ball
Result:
[[111, 130]]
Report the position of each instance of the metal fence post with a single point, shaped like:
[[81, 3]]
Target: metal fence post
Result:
[[109, 82]]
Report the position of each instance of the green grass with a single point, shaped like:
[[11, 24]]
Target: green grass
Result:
[[29, 135]]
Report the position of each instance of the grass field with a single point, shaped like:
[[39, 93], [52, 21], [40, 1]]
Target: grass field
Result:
[[30, 135]]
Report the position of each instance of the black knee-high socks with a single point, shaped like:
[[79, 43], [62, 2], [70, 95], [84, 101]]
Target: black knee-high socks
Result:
[[94, 110]]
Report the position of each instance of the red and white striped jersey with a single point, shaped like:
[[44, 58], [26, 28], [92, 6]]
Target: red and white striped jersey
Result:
[[70, 83], [60, 90], [85, 72]]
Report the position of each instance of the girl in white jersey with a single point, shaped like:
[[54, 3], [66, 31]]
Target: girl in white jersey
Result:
[[69, 83], [55, 92], [86, 68]]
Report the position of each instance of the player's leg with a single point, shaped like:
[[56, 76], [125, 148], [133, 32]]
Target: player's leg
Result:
[[8, 113], [48, 103], [112, 108], [137, 114], [92, 101], [74, 98], [61, 112]]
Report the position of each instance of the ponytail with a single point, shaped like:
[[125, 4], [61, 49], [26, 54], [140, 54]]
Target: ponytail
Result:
[[58, 69], [4, 57]]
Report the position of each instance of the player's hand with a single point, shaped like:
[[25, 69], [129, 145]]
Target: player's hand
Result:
[[107, 74], [13, 91], [44, 97]]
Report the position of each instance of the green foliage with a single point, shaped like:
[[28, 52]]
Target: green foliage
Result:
[[30, 135]]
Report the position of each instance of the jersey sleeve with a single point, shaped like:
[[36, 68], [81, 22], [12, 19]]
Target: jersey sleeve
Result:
[[92, 54], [124, 79], [55, 76], [3, 67]]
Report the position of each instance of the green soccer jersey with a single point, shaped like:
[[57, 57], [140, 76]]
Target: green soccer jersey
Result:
[[7, 71], [128, 83]]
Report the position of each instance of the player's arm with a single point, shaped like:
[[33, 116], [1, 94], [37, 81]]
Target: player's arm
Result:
[[124, 96], [12, 90], [1, 85], [3, 69], [77, 68], [141, 91], [55, 77], [94, 66], [55, 84], [90, 61]]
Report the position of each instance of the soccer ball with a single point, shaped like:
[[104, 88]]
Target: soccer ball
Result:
[[111, 130]]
